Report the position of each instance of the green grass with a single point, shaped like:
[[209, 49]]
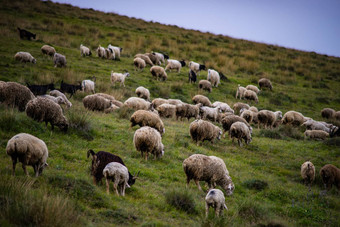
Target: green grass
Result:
[[266, 173]]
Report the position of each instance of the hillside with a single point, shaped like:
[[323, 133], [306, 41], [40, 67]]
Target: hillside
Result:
[[266, 173]]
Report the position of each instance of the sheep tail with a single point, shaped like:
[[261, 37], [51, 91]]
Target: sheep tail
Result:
[[105, 173], [90, 152], [225, 206]]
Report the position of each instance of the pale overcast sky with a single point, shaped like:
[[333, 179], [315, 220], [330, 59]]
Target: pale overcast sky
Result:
[[310, 25]]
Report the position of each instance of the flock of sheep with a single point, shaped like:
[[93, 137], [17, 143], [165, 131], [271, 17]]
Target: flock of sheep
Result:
[[237, 121]]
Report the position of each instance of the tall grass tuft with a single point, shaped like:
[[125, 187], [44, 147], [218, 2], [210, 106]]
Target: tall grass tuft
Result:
[[182, 200], [80, 123]]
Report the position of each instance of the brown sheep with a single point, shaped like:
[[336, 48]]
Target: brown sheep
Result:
[[327, 113], [139, 63], [294, 118], [251, 95], [228, 120], [201, 99], [167, 110], [96, 103], [201, 130], [330, 175], [188, 111], [158, 101], [145, 58], [264, 82], [147, 118], [239, 105], [240, 131], [205, 85], [15, 95], [148, 140], [159, 73], [112, 99], [268, 118], [48, 50]]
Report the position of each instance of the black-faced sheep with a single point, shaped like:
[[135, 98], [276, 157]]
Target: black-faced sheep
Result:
[[267, 118], [205, 85], [293, 118], [160, 57], [148, 140], [265, 83], [308, 172], [15, 95], [192, 76], [240, 130], [215, 198], [201, 130], [214, 77], [228, 120], [145, 58], [59, 60], [143, 93], [196, 67], [138, 104], [159, 73], [48, 50], [253, 88], [240, 92], [117, 51], [147, 118], [24, 34], [174, 64], [239, 105], [251, 95], [167, 110], [84, 51], [119, 77], [330, 175], [46, 110], [139, 64], [201, 99], [29, 150], [24, 57], [119, 175]]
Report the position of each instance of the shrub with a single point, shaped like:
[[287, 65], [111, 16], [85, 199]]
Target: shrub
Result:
[[251, 212], [335, 141], [125, 112], [258, 185], [80, 123], [182, 200]]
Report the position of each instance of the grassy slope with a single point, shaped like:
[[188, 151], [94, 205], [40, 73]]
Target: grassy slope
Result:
[[306, 82]]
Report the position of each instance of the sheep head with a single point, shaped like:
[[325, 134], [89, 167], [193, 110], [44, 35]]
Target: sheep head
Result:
[[227, 184]]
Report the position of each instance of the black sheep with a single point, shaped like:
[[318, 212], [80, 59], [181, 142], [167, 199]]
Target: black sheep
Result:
[[24, 34], [192, 76], [69, 88], [40, 89]]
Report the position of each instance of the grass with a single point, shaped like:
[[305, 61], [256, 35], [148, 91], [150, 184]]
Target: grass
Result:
[[302, 81]]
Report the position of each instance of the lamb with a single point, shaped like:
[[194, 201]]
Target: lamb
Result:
[[253, 88], [158, 72], [328, 113], [88, 85], [265, 83], [201, 130], [148, 140], [158, 101], [69, 88], [167, 110], [59, 100], [294, 118], [84, 51], [201, 99], [228, 120], [119, 175], [119, 77], [59, 60], [192, 76], [25, 57], [268, 118], [139, 64], [46, 110], [196, 67], [251, 95], [137, 104], [224, 107], [97, 103], [240, 92], [40, 89], [143, 93], [240, 130], [145, 58], [48, 50], [308, 172], [215, 198], [147, 118], [24, 34], [205, 85], [101, 51], [15, 95], [160, 57], [29, 150], [330, 175], [316, 125], [210, 169], [116, 50], [209, 113], [174, 64], [239, 105], [213, 77]]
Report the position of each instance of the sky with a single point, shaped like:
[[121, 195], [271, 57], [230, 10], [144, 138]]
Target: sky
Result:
[[309, 25]]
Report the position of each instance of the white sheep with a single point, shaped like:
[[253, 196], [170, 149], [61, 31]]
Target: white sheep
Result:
[[116, 50], [160, 57], [88, 85], [251, 95], [240, 91], [148, 140], [224, 107], [158, 72], [59, 100], [308, 172], [84, 51], [101, 51], [143, 93], [25, 57], [59, 60], [253, 88], [215, 198], [240, 130], [174, 64], [57, 93], [119, 175], [139, 63], [48, 50], [196, 67], [213, 77], [316, 125], [138, 103], [210, 113], [119, 77]]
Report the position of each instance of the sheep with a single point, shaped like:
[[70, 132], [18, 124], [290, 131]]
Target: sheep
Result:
[[97, 103], [247, 115], [100, 51], [196, 67], [268, 118], [327, 113], [145, 58], [167, 110], [251, 95], [59, 100], [175, 101], [201, 130], [143, 93], [109, 54], [29, 150], [228, 120], [316, 125], [147, 118], [59, 60], [69, 88], [254, 109], [119, 77], [138, 104], [48, 50], [158, 101], [84, 51], [24, 34], [209, 113], [213, 77], [205, 85], [201, 99], [25, 57], [188, 111], [337, 115], [160, 57], [139, 64], [116, 50], [148, 140], [46, 110], [112, 99], [253, 88], [88, 85], [224, 107], [210, 169], [158, 72], [215, 198], [40, 89], [192, 76], [294, 118], [330, 175], [15, 95], [152, 57], [119, 175], [57, 93], [308, 172], [174, 64], [240, 92], [264, 82], [239, 105], [240, 130]]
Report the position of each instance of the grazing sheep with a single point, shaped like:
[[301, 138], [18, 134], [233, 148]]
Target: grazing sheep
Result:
[[210, 113], [109, 54], [337, 115], [205, 85], [112, 99], [101, 52], [254, 109], [97, 103], [167, 110], [160, 57], [264, 82], [148, 140], [143, 93], [188, 111], [174, 64], [240, 130], [117, 51], [196, 67], [240, 92], [29, 150], [100, 160], [192, 76], [24, 34], [228, 120], [59, 100], [210, 169], [48, 50], [158, 101], [84, 51], [328, 113], [25, 57], [119, 77], [239, 105], [330, 175], [57, 93], [159, 73], [268, 118], [213, 77], [293, 118], [137, 103], [175, 101], [215, 198], [69, 88], [40, 89], [145, 58], [46, 110], [224, 107], [201, 130], [247, 115], [88, 85], [119, 175], [253, 88], [15, 95], [251, 95], [147, 118], [201, 99], [139, 64], [308, 172], [59, 60], [317, 125], [153, 58]]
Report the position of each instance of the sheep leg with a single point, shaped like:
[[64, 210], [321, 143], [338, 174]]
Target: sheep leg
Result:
[[198, 185], [206, 210], [24, 168], [35, 167], [115, 185], [224, 134], [107, 186], [14, 160], [217, 211], [123, 189], [94, 180], [188, 181], [146, 156]]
